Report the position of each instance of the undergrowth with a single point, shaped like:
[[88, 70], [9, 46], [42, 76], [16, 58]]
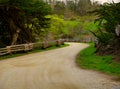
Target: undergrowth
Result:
[[89, 60]]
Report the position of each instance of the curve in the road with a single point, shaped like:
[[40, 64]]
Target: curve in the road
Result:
[[54, 69]]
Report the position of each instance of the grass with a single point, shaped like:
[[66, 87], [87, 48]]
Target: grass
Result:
[[89, 60], [33, 51]]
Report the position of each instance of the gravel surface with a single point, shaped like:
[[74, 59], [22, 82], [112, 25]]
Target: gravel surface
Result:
[[53, 69]]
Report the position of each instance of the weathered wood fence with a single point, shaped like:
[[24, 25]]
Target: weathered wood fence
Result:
[[29, 46], [81, 40]]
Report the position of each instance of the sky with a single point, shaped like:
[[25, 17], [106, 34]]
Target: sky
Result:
[[102, 1]]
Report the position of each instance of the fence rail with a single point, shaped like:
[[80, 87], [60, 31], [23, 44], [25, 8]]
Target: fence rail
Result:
[[81, 40], [28, 47]]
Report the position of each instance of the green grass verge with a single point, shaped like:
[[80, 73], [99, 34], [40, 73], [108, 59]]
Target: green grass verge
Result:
[[33, 51], [89, 60]]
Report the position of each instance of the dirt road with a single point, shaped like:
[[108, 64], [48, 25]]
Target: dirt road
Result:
[[54, 69]]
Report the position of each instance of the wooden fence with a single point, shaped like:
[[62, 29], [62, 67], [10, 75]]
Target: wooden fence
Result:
[[28, 47], [81, 40]]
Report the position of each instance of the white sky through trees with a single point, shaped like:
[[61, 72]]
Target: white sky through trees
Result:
[[100, 1]]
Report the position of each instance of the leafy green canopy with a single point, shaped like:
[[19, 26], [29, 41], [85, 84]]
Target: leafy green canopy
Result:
[[108, 18], [110, 12], [25, 17], [57, 27]]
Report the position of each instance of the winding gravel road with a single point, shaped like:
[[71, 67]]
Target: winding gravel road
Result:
[[53, 69]]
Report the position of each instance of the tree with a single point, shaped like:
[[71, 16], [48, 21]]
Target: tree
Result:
[[83, 6], [59, 8], [20, 18], [71, 5], [79, 7], [57, 27], [108, 18]]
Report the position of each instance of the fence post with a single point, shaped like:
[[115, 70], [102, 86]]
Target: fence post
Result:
[[45, 45], [30, 46], [26, 47], [57, 43], [9, 49]]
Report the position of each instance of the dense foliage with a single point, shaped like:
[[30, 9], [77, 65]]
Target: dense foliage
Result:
[[72, 7], [109, 19], [20, 20], [56, 28]]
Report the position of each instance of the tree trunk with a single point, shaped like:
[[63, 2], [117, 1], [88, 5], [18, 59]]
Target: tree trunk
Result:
[[14, 32], [52, 3], [15, 36]]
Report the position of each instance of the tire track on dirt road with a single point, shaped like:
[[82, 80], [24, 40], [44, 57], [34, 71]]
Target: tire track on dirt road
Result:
[[53, 69]]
